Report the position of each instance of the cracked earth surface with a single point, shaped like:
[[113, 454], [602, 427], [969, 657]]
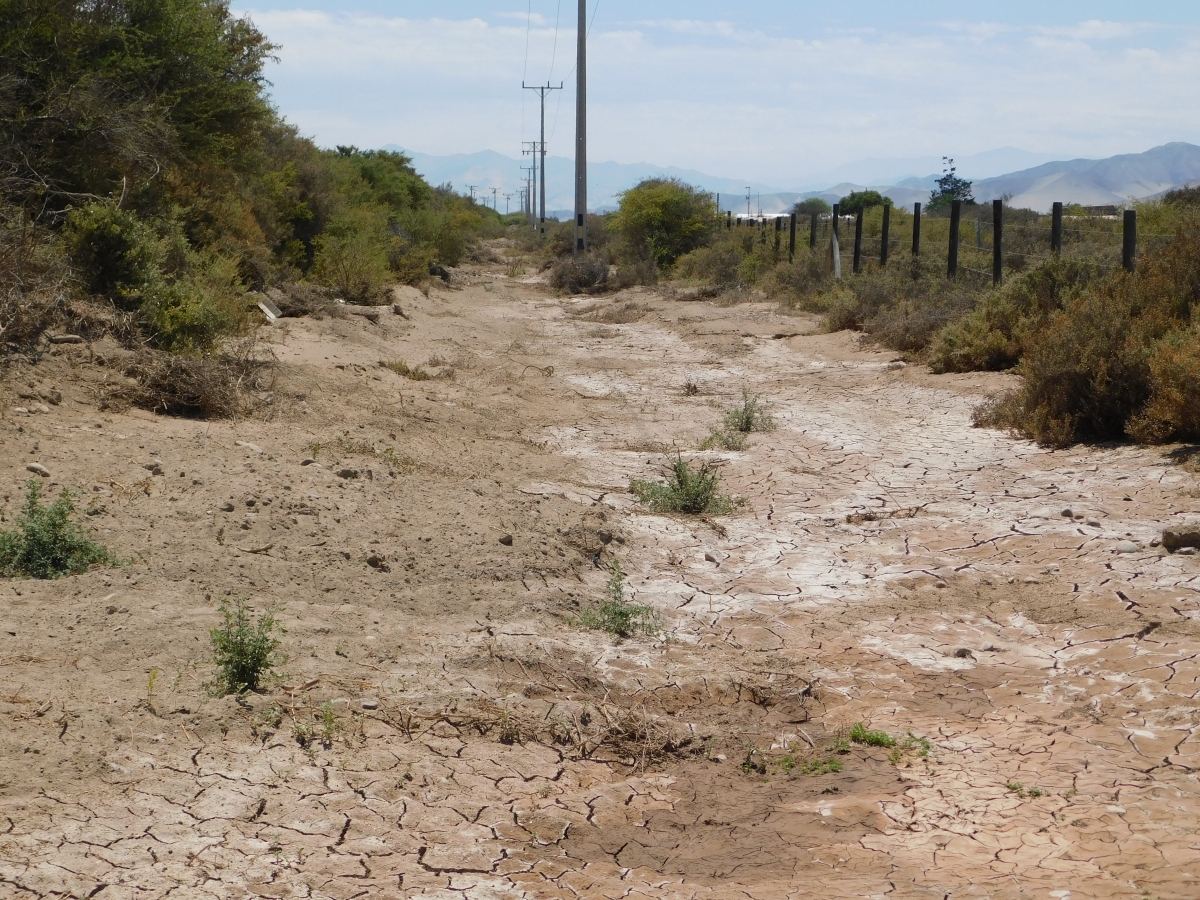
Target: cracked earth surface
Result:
[[1003, 610]]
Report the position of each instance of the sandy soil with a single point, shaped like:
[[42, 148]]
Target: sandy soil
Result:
[[891, 565]]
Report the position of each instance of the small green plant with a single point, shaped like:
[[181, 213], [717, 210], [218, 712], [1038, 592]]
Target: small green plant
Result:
[[617, 615], [826, 766], [787, 764], [750, 416], [244, 651], [860, 735], [47, 542], [329, 724], [689, 491], [754, 762], [726, 440], [841, 745], [400, 367], [1016, 787]]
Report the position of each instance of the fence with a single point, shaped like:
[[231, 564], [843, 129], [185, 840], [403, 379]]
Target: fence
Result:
[[974, 242]]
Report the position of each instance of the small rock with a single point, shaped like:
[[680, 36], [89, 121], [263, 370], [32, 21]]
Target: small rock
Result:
[[1068, 513], [348, 474], [506, 540], [963, 653], [110, 610], [712, 558], [38, 469], [248, 446], [1175, 538], [1093, 523], [66, 339], [43, 409], [227, 506], [605, 536], [24, 410], [370, 703], [1127, 547], [1186, 551], [307, 461], [941, 585], [54, 398], [155, 467], [375, 561]]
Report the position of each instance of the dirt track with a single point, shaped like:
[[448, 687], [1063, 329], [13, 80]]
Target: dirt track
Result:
[[892, 565]]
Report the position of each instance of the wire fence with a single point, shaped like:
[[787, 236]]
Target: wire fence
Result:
[[1027, 238]]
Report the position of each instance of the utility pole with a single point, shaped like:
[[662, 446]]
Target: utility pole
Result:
[[542, 91], [581, 241], [495, 191], [529, 191], [507, 199], [747, 203], [472, 189]]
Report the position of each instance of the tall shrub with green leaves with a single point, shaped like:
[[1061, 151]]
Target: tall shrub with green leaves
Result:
[[662, 219], [243, 650]]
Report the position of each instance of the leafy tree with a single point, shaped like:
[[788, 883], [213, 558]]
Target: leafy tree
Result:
[[858, 200], [950, 188], [661, 219], [810, 206]]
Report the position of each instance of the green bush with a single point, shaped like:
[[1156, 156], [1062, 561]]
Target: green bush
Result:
[[204, 304], [812, 205], [617, 615], [47, 542], [117, 254], [352, 254], [244, 651], [661, 219], [859, 734], [689, 491], [855, 201], [579, 275]]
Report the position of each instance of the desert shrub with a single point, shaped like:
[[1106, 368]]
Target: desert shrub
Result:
[[48, 542], [244, 651], [991, 336], [617, 615], [718, 264], [352, 254], [749, 416], [576, 275], [117, 255], [35, 277], [205, 303], [1116, 361], [689, 491], [404, 370], [1173, 413], [630, 274], [661, 219]]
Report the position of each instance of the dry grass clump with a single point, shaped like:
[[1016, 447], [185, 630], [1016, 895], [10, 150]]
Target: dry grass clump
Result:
[[404, 370], [693, 492], [740, 421], [586, 275], [230, 384], [616, 313]]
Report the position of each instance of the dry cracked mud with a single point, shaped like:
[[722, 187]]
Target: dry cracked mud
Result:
[[443, 728]]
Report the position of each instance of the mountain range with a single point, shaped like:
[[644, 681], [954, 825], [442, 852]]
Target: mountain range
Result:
[[1089, 182]]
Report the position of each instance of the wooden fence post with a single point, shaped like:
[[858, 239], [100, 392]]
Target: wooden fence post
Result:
[[997, 242], [858, 228], [812, 231], [778, 234], [1129, 244], [837, 211], [729, 220], [916, 251], [955, 226], [1056, 229], [792, 240], [887, 229]]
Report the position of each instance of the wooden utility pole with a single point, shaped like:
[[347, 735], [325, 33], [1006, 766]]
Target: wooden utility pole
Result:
[[542, 91], [792, 240], [916, 247], [997, 242], [885, 238], [1056, 228], [581, 241], [955, 225]]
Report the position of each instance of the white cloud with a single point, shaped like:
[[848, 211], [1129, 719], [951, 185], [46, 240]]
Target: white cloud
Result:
[[711, 96]]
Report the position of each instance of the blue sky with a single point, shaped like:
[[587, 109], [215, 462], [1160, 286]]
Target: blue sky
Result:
[[760, 90]]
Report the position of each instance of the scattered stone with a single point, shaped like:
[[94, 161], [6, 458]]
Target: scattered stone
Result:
[[1093, 523], [227, 506], [605, 536], [54, 398], [1186, 551], [1175, 538], [370, 703], [154, 467], [42, 408], [376, 561], [307, 461], [38, 469], [24, 410], [66, 339], [1068, 513], [398, 310], [940, 585], [712, 558], [1127, 547], [963, 653], [254, 447], [110, 610], [348, 474], [506, 540]]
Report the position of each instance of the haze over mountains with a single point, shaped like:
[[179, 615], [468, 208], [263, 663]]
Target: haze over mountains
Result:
[[1033, 181]]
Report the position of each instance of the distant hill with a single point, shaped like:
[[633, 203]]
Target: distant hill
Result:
[[1089, 182], [1097, 182]]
